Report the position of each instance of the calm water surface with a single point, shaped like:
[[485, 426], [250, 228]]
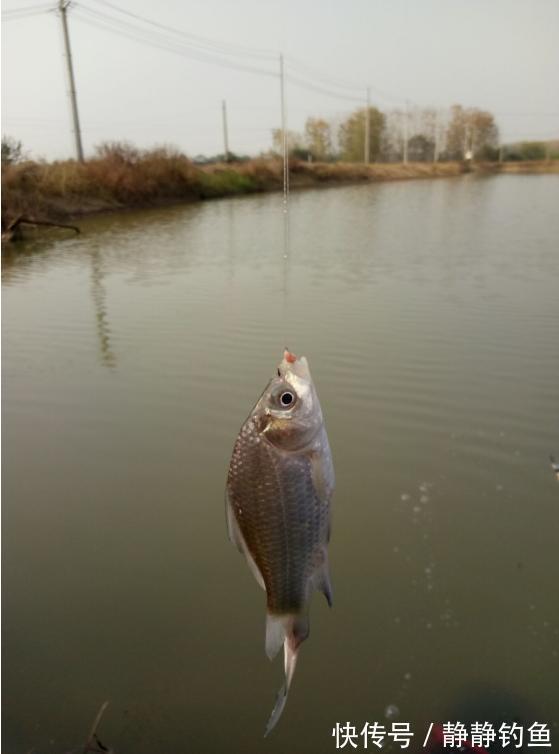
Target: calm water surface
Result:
[[429, 312]]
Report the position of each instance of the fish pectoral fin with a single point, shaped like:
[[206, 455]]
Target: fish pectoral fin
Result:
[[236, 537], [233, 530]]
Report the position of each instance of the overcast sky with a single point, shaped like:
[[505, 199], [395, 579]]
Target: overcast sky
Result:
[[500, 55]]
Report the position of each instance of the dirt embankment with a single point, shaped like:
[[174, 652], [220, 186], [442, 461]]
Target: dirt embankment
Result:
[[61, 191]]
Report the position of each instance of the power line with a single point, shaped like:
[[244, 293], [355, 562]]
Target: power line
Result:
[[308, 71], [207, 45], [26, 12], [321, 89], [160, 41], [313, 73], [221, 47]]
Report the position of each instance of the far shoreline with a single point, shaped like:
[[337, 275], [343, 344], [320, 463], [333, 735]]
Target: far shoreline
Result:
[[67, 191]]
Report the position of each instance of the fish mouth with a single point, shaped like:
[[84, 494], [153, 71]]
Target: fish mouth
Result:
[[296, 365]]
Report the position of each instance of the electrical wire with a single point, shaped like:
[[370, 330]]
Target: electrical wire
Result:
[[160, 41], [26, 12], [322, 90], [224, 48], [219, 53], [307, 71]]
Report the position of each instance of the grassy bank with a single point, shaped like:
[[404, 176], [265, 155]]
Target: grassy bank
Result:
[[126, 178]]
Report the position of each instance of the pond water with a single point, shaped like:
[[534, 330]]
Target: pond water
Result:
[[429, 312]]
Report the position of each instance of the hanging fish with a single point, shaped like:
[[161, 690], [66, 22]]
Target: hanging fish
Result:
[[279, 489]]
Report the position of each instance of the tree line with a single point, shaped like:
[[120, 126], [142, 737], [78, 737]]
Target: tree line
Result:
[[417, 135]]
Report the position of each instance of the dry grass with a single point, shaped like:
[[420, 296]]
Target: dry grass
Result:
[[525, 167], [122, 176], [118, 178], [348, 172]]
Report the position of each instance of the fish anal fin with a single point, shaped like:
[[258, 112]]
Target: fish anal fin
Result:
[[275, 634]]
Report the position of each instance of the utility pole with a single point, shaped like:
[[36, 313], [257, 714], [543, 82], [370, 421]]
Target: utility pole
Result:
[[368, 127], [225, 134], [405, 160], [63, 7], [437, 129]]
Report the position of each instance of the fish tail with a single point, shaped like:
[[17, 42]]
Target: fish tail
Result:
[[295, 629]]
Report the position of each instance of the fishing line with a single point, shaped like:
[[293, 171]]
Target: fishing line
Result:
[[285, 150]]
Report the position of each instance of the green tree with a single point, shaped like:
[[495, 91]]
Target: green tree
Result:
[[318, 137], [351, 135], [533, 150], [420, 148]]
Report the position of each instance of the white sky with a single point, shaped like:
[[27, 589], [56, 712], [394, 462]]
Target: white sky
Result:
[[501, 55]]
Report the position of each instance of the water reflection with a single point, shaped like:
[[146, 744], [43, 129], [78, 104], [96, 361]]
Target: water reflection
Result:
[[99, 296]]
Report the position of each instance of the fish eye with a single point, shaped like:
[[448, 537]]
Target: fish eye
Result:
[[287, 398]]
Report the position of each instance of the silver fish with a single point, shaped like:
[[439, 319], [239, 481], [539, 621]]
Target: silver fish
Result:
[[279, 488]]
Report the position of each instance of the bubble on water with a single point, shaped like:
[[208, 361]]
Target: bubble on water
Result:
[[405, 496], [429, 587], [391, 712], [407, 676], [416, 509], [397, 619], [428, 625], [396, 548], [447, 617], [424, 499], [532, 607], [499, 488]]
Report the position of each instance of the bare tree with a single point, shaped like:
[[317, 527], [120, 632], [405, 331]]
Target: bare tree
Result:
[[470, 131], [318, 137]]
